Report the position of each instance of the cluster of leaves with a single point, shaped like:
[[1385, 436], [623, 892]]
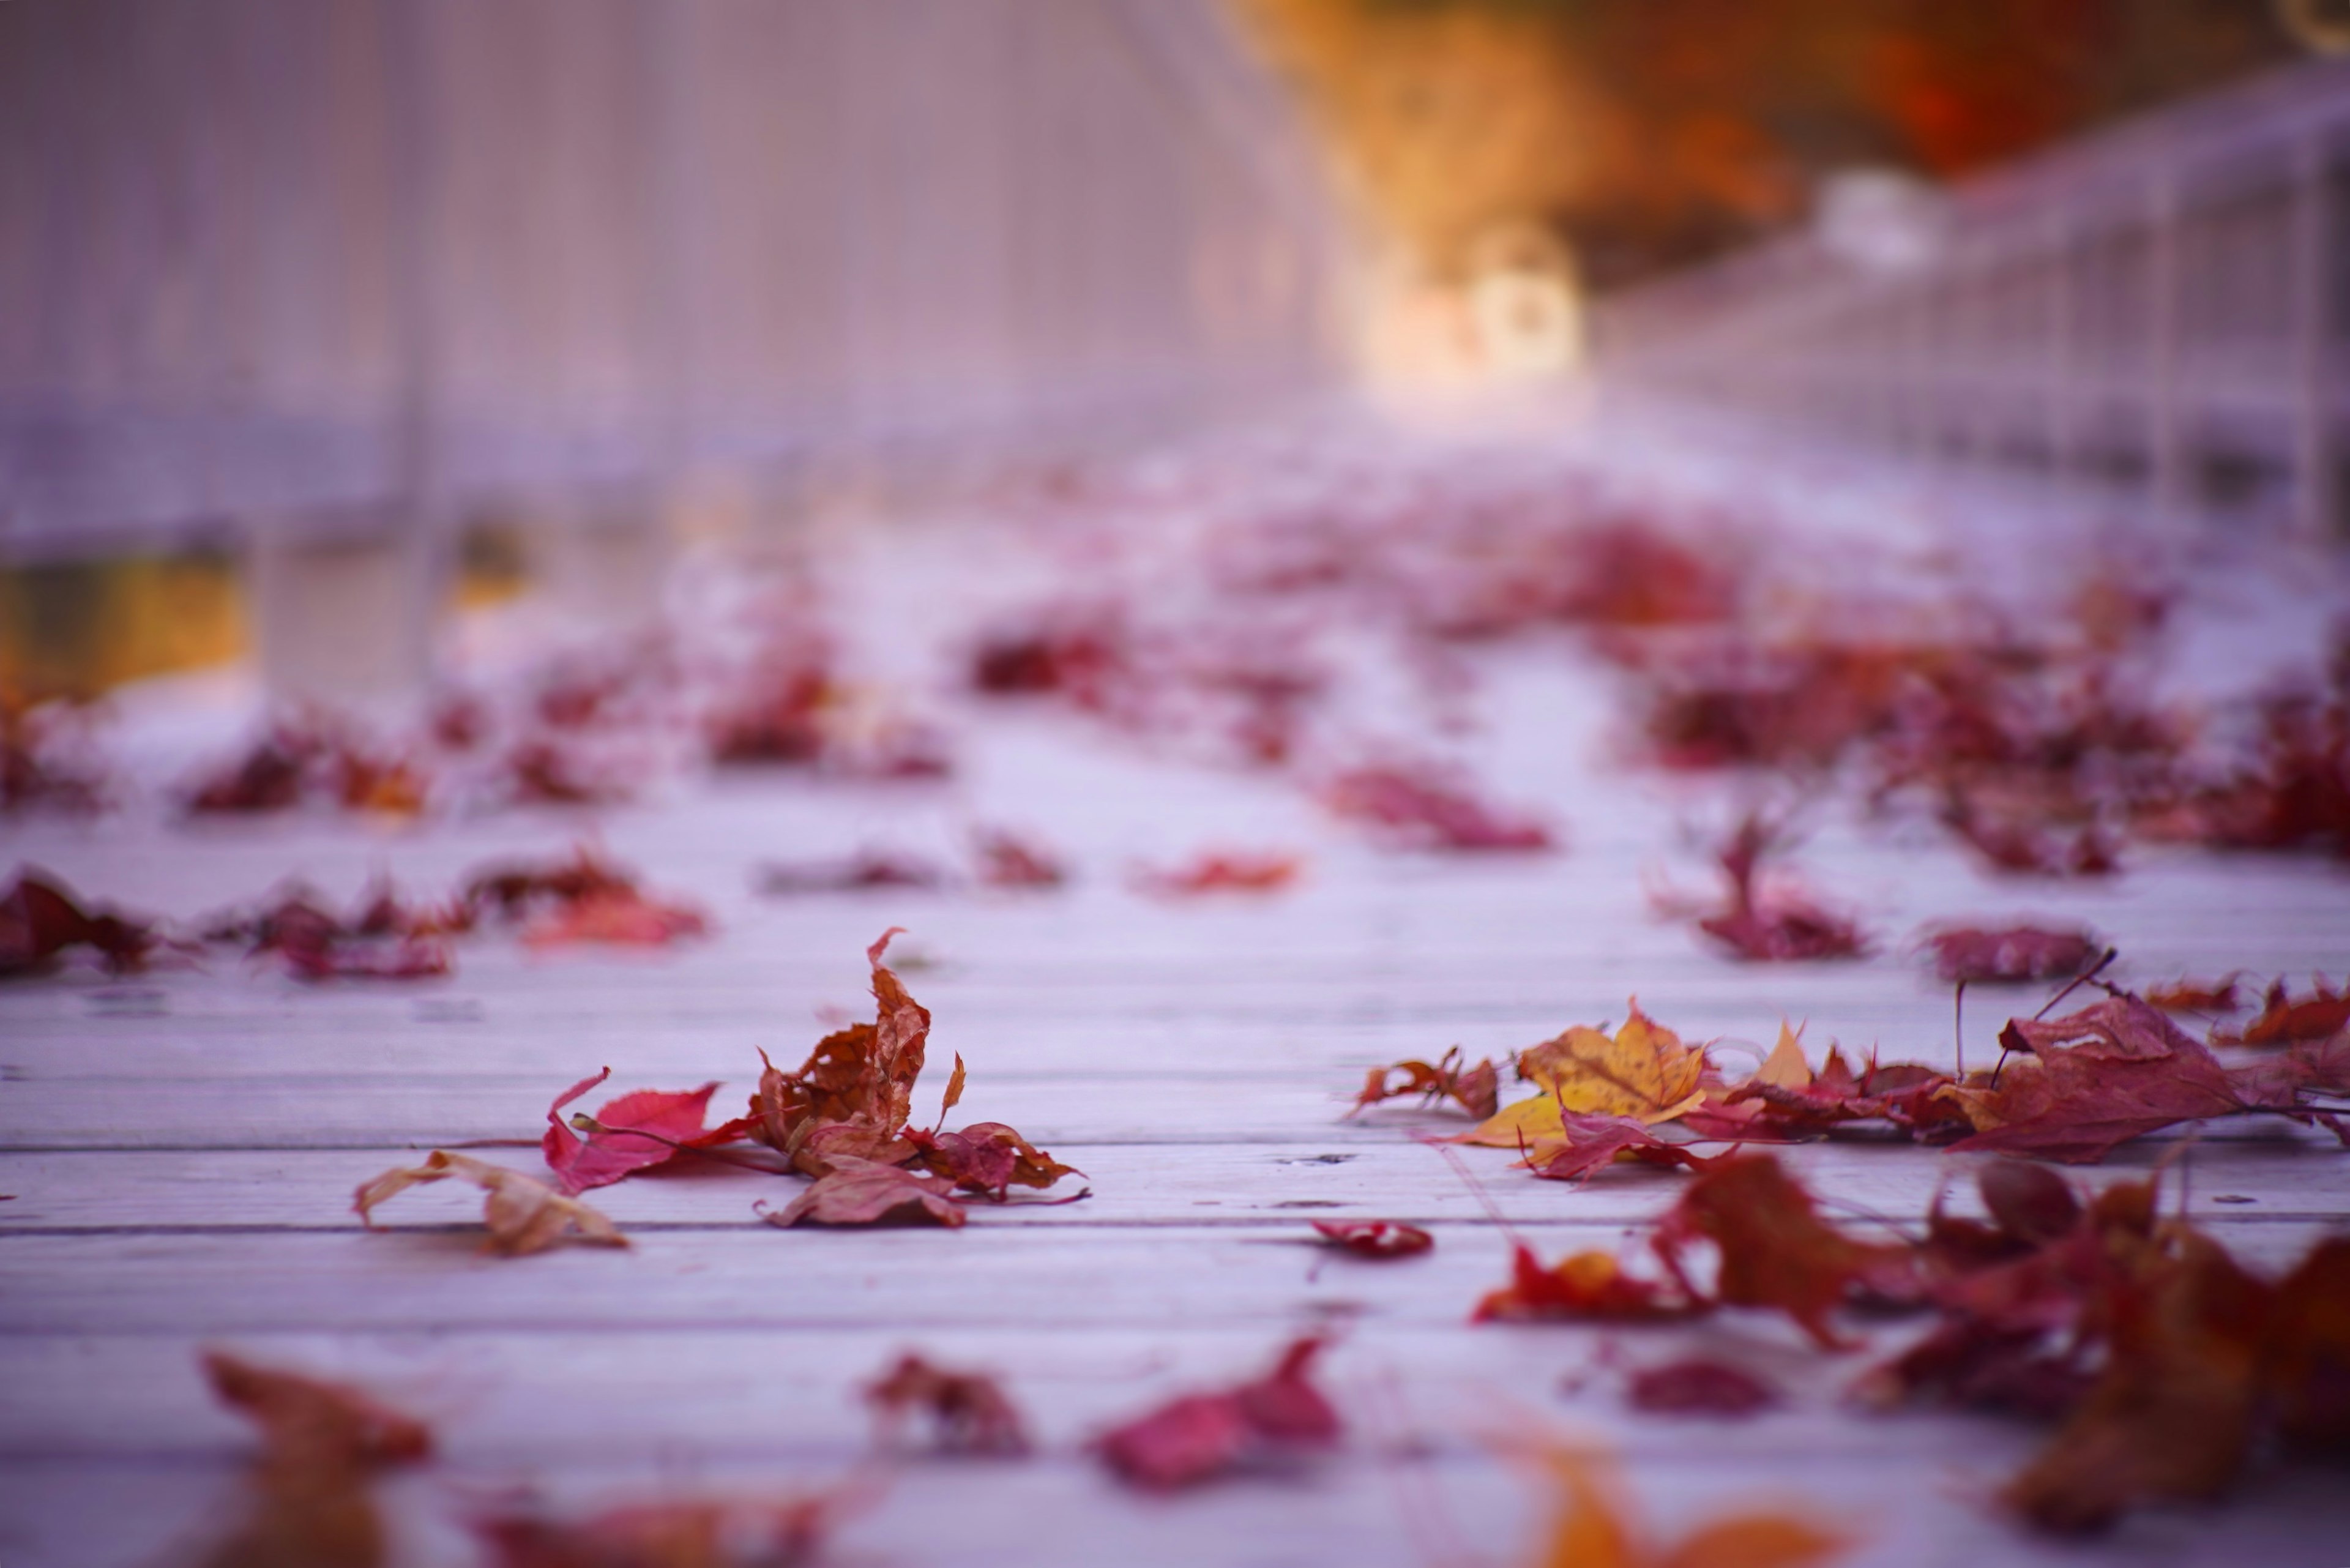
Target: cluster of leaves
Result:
[[309, 1499], [2070, 1089], [309, 757], [1428, 807], [842, 1118], [1767, 919], [41, 920], [999, 860], [790, 707], [1221, 871], [583, 898], [2166, 1363]]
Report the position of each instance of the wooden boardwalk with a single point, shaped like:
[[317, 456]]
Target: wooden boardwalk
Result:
[[179, 1150]]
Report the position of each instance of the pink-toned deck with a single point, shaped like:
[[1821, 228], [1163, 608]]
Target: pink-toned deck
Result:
[[179, 1150]]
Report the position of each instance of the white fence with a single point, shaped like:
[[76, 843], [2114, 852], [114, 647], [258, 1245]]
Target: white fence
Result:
[[307, 265], [2157, 313]]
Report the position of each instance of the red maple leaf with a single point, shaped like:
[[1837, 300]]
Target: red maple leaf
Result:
[[1200, 1436], [628, 1132], [39, 920], [1375, 1238], [2010, 954]]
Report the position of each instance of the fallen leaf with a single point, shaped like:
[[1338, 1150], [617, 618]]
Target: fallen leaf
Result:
[[617, 1144], [857, 1087], [1007, 860], [1700, 1385], [2195, 996], [2081, 1085], [856, 1192], [986, 1158], [39, 920], [1375, 1238], [308, 1499], [1476, 1090], [1428, 807], [969, 1412], [2010, 954], [1582, 1286], [1590, 1527], [1587, 1143], [1774, 1249], [524, 1214], [2285, 1019], [1221, 871], [1777, 922], [859, 873], [1643, 1071], [701, 1533], [1200, 1436], [2172, 1414], [313, 1419], [620, 916]]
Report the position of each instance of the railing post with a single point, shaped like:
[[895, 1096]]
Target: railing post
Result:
[[2316, 482], [2166, 462]]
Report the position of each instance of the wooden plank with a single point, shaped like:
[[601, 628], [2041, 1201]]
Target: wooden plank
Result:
[[2271, 1172]]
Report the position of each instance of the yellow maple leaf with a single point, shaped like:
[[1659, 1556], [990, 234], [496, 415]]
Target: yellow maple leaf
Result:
[[1643, 1071], [1590, 1529], [1784, 1067]]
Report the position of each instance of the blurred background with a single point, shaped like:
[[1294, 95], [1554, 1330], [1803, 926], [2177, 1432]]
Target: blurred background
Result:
[[326, 320]]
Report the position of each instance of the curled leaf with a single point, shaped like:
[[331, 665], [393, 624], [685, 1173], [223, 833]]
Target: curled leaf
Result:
[[867, 1192], [524, 1215]]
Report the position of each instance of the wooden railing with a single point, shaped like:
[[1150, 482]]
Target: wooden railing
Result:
[[2155, 316]]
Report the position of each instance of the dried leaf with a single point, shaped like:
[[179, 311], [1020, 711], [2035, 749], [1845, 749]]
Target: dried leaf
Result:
[[1775, 1251], [315, 1420], [2012, 954], [1786, 1067], [987, 1158], [703, 1532], [1643, 1071], [620, 916], [1476, 1090], [866, 1192], [1202, 1435], [39, 920], [1428, 807], [1590, 1527], [1776, 923], [1375, 1238], [856, 1086], [2089, 1080], [1584, 1286], [524, 1215], [2285, 1019], [307, 1500], [1589, 1142], [969, 1411], [1700, 1385], [2172, 1414], [862, 872], [1221, 871], [2195, 996], [1007, 860], [617, 1144]]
